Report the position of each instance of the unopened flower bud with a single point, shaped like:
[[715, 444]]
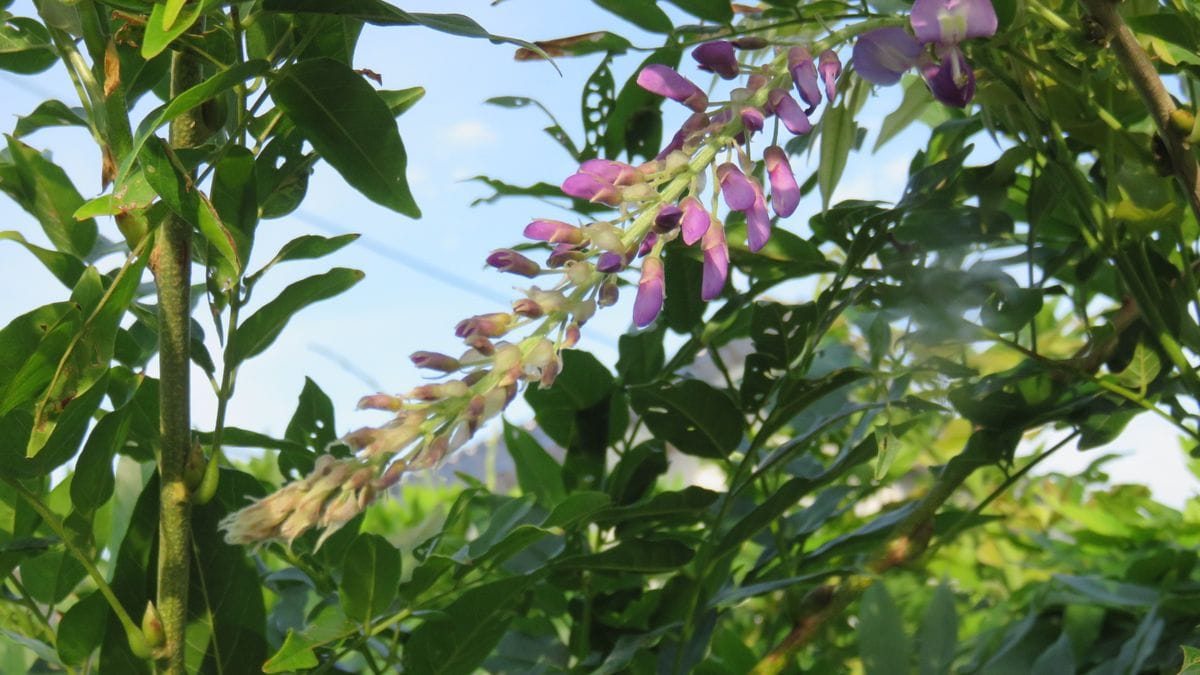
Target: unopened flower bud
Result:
[[472, 378], [789, 112], [439, 391], [649, 300], [553, 231], [591, 188], [571, 335], [737, 189], [583, 310], [508, 260], [694, 221], [667, 218], [608, 294], [494, 324], [664, 81], [604, 236], [579, 272], [434, 361], [610, 262], [548, 301], [717, 57], [527, 308], [785, 193], [804, 75], [380, 402], [647, 244], [611, 172], [480, 344], [830, 67], [716, 261], [638, 193], [750, 42], [152, 627], [562, 254]]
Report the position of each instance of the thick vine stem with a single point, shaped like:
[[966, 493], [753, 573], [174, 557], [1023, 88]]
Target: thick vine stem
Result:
[[172, 272], [1141, 71]]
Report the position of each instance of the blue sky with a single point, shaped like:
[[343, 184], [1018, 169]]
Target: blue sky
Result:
[[360, 341]]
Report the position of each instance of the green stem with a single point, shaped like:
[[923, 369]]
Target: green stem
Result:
[[173, 278]]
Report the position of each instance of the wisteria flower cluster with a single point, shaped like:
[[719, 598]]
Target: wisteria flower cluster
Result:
[[669, 197], [881, 56]]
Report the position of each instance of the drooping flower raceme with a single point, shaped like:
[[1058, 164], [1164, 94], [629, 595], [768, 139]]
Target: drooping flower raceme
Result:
[[654, 203], [881, 56]]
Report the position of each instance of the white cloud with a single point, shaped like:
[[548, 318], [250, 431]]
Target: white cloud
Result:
[[469, 133]]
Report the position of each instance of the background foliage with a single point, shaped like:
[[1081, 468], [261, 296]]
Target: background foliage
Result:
[[871, 513]]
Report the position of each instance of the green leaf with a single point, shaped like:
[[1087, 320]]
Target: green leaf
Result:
[[185, 101], [578, 507], [882, 643], [331, 625], [90, 351], [939, 634], [25, 46], [400, 100], [645, 15], [30, 347], [82, 629], [383, 14], [838, 132], [732, 596], [1191, 661], [259, 330], [459, 638], [683, 309], [538, 473], [227, 588], [370, 577], [350, 126], [93, 482], [693, 416], [235, 199], [43, 189], [170, 180], [690, 502], [64, 266], [719, 11], [311, 428], [583, 383], [916, 99], [641, 356], [1058, 658], [634, 555], [1142, 369], [52, 113], [162, 28]]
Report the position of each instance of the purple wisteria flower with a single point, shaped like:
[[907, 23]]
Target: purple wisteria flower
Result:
[[717, 57], [664, 81], [785, 193], [830, 67], [758, 221], [554, 232], [737, 189], [881, 56], [804, 75], [716, 261], [696, 221], [651, 287], [508, 260], [793, 117]]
